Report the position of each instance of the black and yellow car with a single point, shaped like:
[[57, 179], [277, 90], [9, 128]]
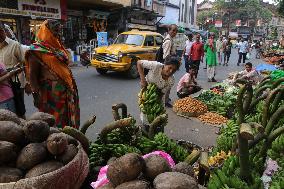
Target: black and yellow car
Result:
[[123, 54]]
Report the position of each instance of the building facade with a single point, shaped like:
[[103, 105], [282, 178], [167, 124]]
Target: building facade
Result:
[[187, 14]]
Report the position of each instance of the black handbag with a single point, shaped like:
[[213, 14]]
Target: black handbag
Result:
[[18, 96]]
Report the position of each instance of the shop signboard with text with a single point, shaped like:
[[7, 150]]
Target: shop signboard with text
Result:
[[41, 8]]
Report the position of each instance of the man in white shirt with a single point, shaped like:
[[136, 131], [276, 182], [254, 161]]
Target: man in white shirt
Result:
[[186, 51], [219, 49], [243, 48], [11, 54]]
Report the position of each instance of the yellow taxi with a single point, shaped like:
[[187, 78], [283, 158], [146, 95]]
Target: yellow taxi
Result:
[[123, 54]]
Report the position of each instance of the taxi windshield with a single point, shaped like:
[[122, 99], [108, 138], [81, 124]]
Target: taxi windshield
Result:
[[129, 39]]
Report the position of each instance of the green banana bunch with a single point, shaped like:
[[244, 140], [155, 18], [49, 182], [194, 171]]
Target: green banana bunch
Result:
[[278, 180], [118, 150], [276, 148], [145, 145], [96, 155], [168, 145], [150, 102]]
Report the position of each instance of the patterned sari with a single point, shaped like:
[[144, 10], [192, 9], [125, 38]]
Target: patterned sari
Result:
[[57, 97]]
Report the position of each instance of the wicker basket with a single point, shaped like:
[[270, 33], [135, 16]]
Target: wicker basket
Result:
[[71, 176]]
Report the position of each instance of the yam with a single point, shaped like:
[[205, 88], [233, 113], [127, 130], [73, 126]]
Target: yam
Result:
[[135, 184], [36, 130], [31, 155], [68, 154], [49, 119], [125, 168], [71, 140], [56, 143], [174, 180], [184, 168], [6, 115], [8, 152], [43, 168], [107, 186], [155, 165], [11, 132], [9, 174], [112, 159]]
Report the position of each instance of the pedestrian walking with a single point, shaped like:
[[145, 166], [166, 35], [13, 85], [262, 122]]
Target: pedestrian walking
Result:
[[53, 86], [211, 58], [219, 48], [196, 54], [243, 49], [169, 49], [6, 93], [11, 55], [186, 51], [227, 46]]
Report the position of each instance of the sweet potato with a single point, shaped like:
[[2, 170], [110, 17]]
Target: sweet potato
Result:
[[43, 168], [125, 168], [6, 115], [155, 165], [36, 130], [57, 143], [8, 152], [174, 180], [49, 119], [11, 132], [8, 174], [31, 155]]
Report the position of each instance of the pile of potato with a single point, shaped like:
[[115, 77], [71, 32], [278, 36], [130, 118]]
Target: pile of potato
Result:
[[131, 171], [32, 147], [212, 118], [190, 105]]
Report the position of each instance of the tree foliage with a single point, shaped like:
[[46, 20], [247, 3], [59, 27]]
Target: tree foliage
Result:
[[281, 8]]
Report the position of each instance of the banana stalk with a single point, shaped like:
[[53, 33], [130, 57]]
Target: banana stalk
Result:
[[246, 131], [274, 119], [87, 124], [159, 121], [115, 112], [193, 157]]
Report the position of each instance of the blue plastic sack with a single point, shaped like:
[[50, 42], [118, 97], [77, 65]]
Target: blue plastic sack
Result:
[[265, 67]]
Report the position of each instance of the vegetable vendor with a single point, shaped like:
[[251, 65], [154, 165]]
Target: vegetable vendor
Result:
[[249, 74]]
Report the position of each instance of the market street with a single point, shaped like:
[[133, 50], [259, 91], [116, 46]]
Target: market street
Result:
[[98, 93]]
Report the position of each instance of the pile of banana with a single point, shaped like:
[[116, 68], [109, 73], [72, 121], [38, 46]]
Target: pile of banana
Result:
[[150, 102]]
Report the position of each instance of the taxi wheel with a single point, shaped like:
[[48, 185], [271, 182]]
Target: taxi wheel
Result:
[[101, 71], [132, 72]]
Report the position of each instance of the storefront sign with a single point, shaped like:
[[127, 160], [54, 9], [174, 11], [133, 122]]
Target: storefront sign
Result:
[[102, 39], [218, 23], [141, 27], [41, 8]]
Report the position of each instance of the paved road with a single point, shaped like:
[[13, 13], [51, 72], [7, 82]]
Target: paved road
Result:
[[98, 93]]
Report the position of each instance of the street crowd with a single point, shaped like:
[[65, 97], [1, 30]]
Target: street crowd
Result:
[[42, 70]]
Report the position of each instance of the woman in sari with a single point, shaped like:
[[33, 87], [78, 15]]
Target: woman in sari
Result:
[[52, 83]]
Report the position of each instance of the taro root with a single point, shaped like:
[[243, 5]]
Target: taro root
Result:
[[68, 155], [8, 152], [135, 184], [125, 168], [112, 159], [184, 168], [6, 115], [174, 180], [31, 155], [9, 174], [36, 130], [107, 186], [155, 165], [43, 168], [53, 130], [71, 140], [56, 143], [49, 119], [11, 132]]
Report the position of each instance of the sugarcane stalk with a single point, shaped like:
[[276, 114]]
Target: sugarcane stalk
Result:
[[274, 134], [277, 82], [203, 161], [119, 124], [268, 101], [248, 99], [192, 157], [115, 112], [277, 100], [274, 119], [257, 126], [87, 124], [159, 121], [259, 137], [246, 131]]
